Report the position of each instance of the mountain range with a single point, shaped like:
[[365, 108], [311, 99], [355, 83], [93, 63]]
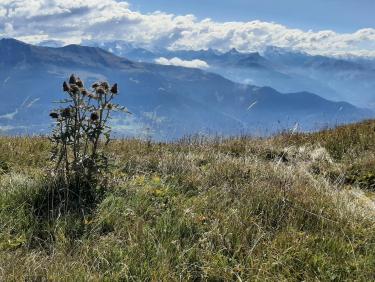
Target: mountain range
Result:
[[168, 102], [338, 79]]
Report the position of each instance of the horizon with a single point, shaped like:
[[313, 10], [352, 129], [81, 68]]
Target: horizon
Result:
[[45, 44]]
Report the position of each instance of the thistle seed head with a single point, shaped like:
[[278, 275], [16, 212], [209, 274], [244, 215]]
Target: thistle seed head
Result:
[[104, 85], [66, 87], [100, 91], [74, 88], [66, 112], [54, 115], [94, 116], [114, 89], [79, 82], [72, 79]]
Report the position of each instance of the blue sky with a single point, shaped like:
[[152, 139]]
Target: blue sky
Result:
[[338, 15]]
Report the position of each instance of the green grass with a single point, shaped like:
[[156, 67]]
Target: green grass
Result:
[[288, 208]]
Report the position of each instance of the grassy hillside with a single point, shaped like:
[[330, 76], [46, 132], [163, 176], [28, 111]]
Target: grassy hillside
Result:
[[292, 207]]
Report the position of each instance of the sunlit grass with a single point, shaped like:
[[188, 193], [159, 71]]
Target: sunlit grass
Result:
[[287, 208]]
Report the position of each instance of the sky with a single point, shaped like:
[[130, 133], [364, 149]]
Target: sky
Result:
[[328, 27], [338, 15]]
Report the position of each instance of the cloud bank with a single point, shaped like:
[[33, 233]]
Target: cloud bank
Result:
[[198, 64], [72, 21]]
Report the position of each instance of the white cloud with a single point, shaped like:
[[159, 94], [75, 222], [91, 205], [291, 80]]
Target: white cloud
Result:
[[72, 21], [29, 105], [9, 116], [199, 64]]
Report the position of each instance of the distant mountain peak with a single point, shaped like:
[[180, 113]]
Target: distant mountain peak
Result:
[[80, 49], [13, 52], [12, 41], [233, 51], [282, 51]]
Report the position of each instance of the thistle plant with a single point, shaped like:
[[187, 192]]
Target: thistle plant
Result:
[[80, 136]]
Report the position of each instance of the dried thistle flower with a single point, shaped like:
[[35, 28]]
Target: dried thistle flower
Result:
[[100, 91], [79, 82], [94, 116], [114, 89], [109, 106], [66, 87], [54, 115], [66, 112], [84, 92], [105, 85], [72, 79], [95, 85], [74, 88]]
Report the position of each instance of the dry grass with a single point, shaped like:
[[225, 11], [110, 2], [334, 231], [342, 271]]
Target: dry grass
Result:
[[287, 208]]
